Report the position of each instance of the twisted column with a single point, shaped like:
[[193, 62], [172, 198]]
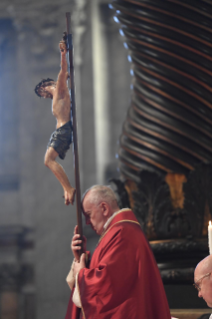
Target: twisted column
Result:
[[168, 128]]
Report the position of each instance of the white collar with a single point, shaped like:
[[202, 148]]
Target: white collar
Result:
[[111, 217], [109, 220]]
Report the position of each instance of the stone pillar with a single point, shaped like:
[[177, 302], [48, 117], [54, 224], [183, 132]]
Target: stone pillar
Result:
[[9, 305], [16, 273]]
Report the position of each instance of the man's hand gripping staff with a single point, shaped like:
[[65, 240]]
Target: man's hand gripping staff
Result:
[[76, 244]]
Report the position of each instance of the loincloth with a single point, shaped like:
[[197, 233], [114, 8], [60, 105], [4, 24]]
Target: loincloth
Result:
[[61, 139]]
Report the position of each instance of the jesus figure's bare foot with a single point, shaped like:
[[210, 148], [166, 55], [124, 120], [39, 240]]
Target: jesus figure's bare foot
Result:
[[62, 46]]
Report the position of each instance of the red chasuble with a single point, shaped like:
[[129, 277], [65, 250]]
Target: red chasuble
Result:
[[123, 280]]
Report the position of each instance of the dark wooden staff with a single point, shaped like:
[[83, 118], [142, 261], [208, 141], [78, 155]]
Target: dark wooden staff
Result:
[[74, 119]]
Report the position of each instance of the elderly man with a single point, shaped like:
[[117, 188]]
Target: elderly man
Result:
[[122, 280], [203, 281], [61, 139]]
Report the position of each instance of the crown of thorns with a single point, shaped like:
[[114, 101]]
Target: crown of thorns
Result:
[[42, 83]]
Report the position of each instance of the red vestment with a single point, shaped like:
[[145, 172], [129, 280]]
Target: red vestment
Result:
[[123, 280]]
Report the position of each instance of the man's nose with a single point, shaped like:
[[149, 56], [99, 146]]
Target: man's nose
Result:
[[200, 294]]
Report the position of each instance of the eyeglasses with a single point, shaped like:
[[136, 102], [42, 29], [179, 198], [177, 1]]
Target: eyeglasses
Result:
[[196, 285]]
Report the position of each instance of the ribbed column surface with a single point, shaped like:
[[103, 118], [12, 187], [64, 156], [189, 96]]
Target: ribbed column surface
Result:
[[168, 128]]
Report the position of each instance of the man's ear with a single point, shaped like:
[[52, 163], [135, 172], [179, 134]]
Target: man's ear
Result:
[[105, 208]]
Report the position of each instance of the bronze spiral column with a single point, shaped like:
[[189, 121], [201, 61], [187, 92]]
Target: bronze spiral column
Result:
[[165, 151], [169, 124]]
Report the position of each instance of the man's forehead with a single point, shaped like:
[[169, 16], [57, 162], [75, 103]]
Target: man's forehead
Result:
[[86, 199], [85, 205], [202, 268], [198, 268], [196, 275]]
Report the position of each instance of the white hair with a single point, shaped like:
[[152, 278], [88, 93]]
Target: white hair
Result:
[[101, 193]]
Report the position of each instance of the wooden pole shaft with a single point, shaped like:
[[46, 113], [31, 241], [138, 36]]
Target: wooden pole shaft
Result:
[[74, 119]]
